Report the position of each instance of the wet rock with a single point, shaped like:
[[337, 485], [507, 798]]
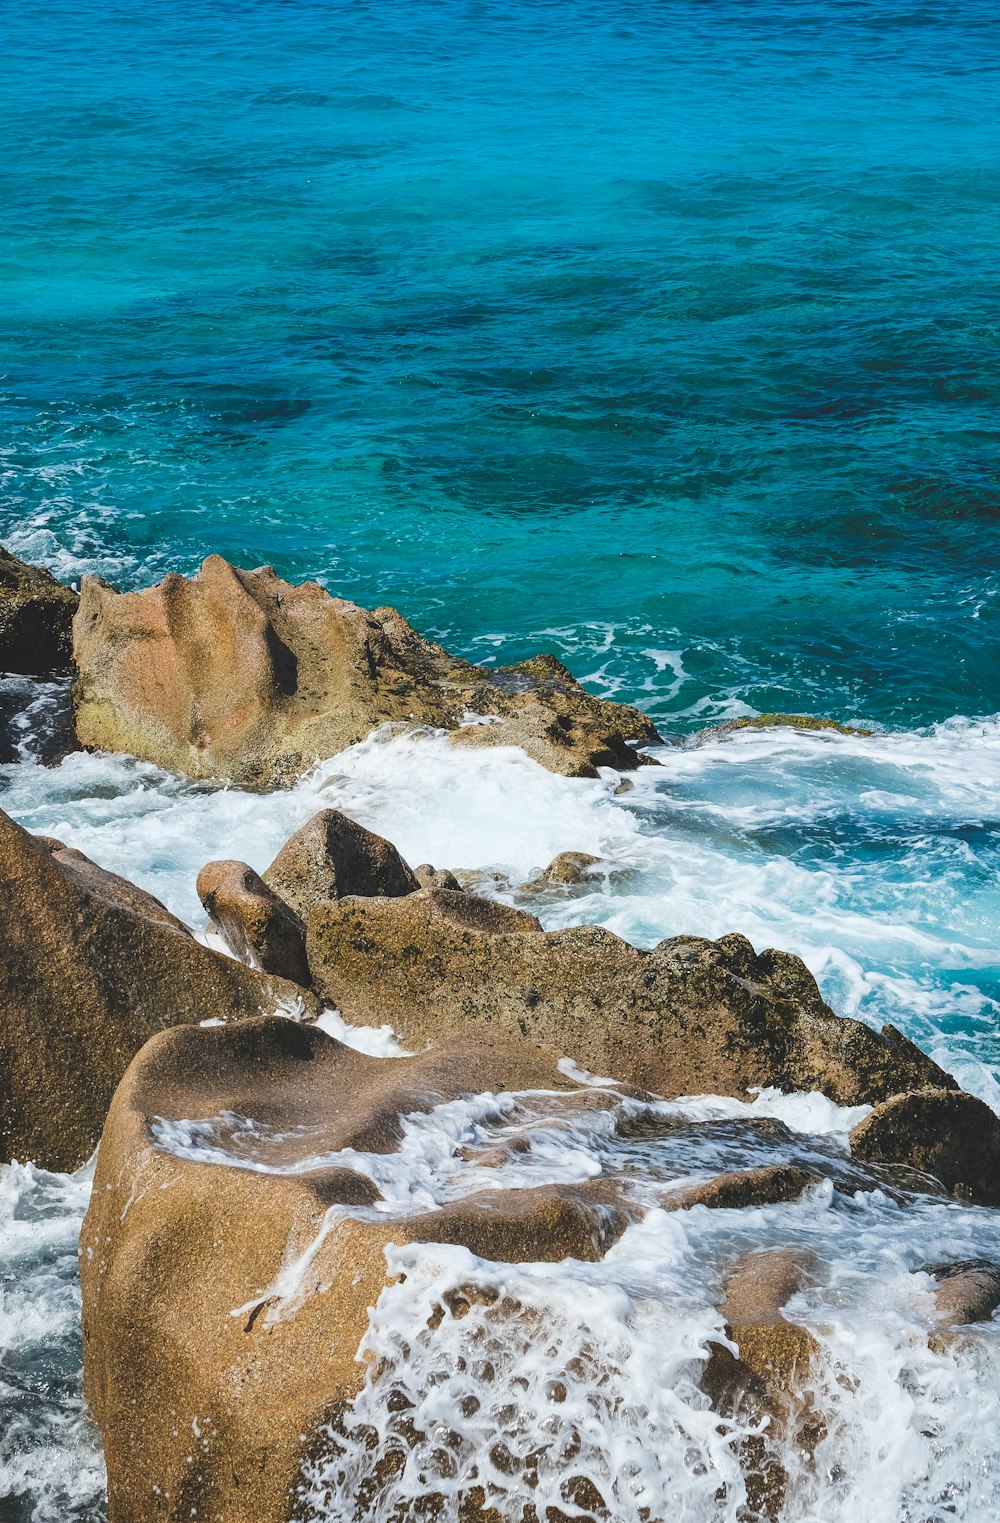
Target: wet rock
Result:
[[36, 619], [693, 1017], [767, 1186], [776, 721], [237, 675], [90, 967], [966, 1292], [332, 856], [435, 877], [569, 870], [767, 1382], [478, 880], [233, 1377], [257, 925], [939, 1131]]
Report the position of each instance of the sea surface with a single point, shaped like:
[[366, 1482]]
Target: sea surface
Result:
[[664, 336]]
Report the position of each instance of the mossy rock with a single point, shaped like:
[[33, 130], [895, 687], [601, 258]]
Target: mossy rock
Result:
[[778, 721]]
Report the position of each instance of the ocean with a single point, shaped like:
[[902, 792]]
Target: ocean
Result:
[[663, 336]]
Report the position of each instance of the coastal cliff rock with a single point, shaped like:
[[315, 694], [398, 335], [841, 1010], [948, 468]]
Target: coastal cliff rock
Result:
[[689, 1017], [90, 967], [209, 1378], [332, 856], [36, 619], [939, 1131], [235, 674], [256, 925]]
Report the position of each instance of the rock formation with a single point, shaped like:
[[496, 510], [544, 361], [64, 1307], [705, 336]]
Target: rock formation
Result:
[[689, 1017], [36, 619], [256, 925], [237, 675], [939, 1131], [209, 1387], [332, 856], [91, 967]]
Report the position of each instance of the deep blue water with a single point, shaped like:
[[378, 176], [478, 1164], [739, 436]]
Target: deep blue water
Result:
[[544, 321]]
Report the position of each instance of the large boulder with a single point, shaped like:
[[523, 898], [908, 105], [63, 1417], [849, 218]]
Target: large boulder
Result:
[[939, 1131], [688, 1017], [256, 924], [332, 856], [90, 967], [36, 619], [238, 675], [224, 1306]]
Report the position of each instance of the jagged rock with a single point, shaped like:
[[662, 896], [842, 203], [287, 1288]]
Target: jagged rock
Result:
[[257, 925], [769, 1185], [939, 1131], [90, 967], [966, 1292], [776, 721], [208, 1386], [332, 856], [689, 1017], [435, 877], [238, 675], [36, 619]]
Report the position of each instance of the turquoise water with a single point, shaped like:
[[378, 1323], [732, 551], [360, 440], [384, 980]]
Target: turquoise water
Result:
[[662, 335], [543, 321]]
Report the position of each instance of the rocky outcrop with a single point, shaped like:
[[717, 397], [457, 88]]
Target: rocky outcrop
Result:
[[256, 925], [332, 856], [237, 675], [689, 1017], [428, 876], [939, 1131], [210, 1365], [36, 619], [569, 870], [90, 967], [966, 1292], [769, 1185], [777, 721]]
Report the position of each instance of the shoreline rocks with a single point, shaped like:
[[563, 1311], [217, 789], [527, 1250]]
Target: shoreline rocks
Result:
[[90, 967], [239, 676], [36, 619], [688, 1017], [943, 1132]]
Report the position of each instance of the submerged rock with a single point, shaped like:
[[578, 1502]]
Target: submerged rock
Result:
[[257, 925], [237, 675], [210, 1365], [568, 871], [966, 1292], [36, 619], [689, 1017], [770, 1185], [91, 967], [777, 721], [332, 856], [939, 1131]]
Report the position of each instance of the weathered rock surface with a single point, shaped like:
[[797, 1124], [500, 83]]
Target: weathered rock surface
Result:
[[238, 675], [90, 967], [429, 876], [769, 1185], [966, 1292], [256, 924], [209, 1387], [570, 869], [689, 1017], [332, 856], [939, 1131], [36, 619]]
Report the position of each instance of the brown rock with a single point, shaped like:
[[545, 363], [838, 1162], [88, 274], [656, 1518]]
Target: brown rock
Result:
[[938, 1131], [570, 869], [435, 877], [91, 966], [238, 675], [257, 925], [769, 1185], [331, 856], [690, 1017], [201, 1407], [966, 1292], [36, 619]]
